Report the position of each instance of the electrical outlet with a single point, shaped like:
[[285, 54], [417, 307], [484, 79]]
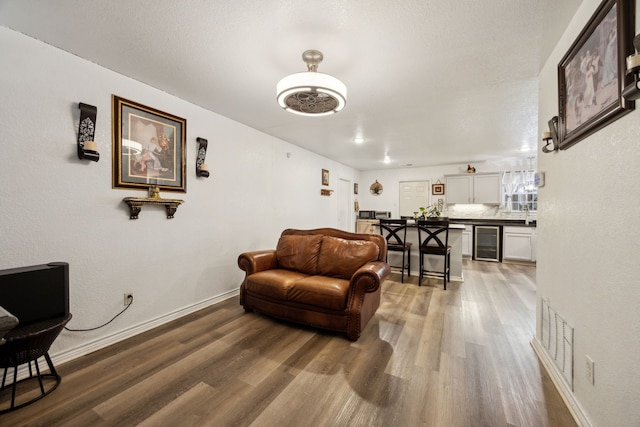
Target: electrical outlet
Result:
[[589, 370], [128, 298]]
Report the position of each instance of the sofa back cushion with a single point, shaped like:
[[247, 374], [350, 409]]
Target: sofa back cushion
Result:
[[341, 257], [299, 253]]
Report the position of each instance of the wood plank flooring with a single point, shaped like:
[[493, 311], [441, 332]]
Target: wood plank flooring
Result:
[[429, 357]]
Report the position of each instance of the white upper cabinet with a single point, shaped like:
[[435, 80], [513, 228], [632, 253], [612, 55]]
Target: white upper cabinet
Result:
[[481, 188], [487, 189], [459, 189]]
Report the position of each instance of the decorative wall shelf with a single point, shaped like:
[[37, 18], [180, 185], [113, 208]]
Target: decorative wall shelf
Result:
[[136, 203]]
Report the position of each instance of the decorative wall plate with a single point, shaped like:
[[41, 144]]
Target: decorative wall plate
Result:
[[376, 188]]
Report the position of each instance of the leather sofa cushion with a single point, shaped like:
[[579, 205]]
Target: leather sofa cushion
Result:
[[293, 286], [299, 253], [273, 284], [320, 291], [341, 258]]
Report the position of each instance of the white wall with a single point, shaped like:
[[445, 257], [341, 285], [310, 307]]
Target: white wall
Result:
[[588, 234], [55, 207]]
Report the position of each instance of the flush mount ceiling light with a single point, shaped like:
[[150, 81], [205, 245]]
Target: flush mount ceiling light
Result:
[[311, 93]]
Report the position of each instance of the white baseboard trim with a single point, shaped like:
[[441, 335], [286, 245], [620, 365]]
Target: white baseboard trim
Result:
[[563, 388], [74, 353]]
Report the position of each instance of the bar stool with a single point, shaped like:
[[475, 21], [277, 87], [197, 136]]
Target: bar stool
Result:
[[433, 238], [395, 232]]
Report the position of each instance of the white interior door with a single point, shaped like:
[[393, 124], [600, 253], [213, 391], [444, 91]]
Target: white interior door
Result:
[[345, 211], [413, 194]]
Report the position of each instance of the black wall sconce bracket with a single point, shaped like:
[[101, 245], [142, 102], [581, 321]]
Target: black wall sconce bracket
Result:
[[551, 137], [631, 92], [201, 167], [87, 148]]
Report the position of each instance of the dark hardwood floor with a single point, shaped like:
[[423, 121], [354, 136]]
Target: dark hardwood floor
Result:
[[429, 357]]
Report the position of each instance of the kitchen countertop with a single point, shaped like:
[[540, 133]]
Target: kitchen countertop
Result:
[[477, 221], [494, 221]]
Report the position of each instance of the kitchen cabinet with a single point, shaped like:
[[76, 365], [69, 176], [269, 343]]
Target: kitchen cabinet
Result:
[[367, 226], [519, 243], [481, 188], [467, 241]]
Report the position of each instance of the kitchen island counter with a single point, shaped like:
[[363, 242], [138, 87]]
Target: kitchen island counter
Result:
[[494, 221]]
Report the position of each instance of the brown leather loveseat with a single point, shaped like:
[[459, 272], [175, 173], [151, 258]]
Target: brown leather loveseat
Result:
[[325, 278]]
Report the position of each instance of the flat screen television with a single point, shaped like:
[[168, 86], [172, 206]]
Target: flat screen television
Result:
[[37, 292]]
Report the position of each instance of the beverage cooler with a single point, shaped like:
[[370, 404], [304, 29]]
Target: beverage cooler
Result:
[[487, 245]]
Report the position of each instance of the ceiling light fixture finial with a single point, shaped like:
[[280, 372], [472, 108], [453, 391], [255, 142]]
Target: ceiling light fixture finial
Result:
[[312, 58], [311, 93]]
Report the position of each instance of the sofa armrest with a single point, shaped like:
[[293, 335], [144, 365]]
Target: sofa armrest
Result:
[[253, 262], [370, 276]]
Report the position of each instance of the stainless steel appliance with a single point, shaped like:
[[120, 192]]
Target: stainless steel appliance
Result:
[[367, 214], [487, 243], [374, 214]]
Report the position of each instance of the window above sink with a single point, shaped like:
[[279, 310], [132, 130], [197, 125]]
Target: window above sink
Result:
[[520, 191]]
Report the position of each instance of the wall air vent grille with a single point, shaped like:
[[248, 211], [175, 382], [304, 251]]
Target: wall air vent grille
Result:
[[557, 339]]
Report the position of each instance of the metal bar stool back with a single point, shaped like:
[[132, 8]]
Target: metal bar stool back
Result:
[[395, 232], [433, 237]]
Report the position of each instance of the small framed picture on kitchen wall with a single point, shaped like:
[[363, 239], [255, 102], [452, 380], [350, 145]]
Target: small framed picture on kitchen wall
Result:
[[325, 177], [437, 189]]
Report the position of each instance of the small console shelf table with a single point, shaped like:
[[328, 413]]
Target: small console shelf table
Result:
[[136, 203]]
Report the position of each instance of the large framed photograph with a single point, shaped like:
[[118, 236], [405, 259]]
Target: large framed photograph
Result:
[[148, 147], [591, 76]]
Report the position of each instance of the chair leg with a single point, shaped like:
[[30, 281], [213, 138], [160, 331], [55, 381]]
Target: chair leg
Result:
[[409, 262], [33, 374], [402, 269], [52, 369], [39, 376], [446, 276], [13, 387], [421, 271]]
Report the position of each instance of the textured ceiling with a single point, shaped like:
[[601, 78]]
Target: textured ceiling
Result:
[[429, 81]]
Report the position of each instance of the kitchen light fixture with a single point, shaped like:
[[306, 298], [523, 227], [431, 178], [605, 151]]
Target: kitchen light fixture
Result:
[[311, 93]]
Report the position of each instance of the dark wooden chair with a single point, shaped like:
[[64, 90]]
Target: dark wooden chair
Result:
[[433, 238], [395, 233], [25, 344]]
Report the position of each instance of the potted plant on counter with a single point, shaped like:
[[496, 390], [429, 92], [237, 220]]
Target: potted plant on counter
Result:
[[429, 212]]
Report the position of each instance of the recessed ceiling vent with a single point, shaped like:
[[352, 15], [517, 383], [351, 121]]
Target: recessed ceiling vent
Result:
[[311, 93]]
